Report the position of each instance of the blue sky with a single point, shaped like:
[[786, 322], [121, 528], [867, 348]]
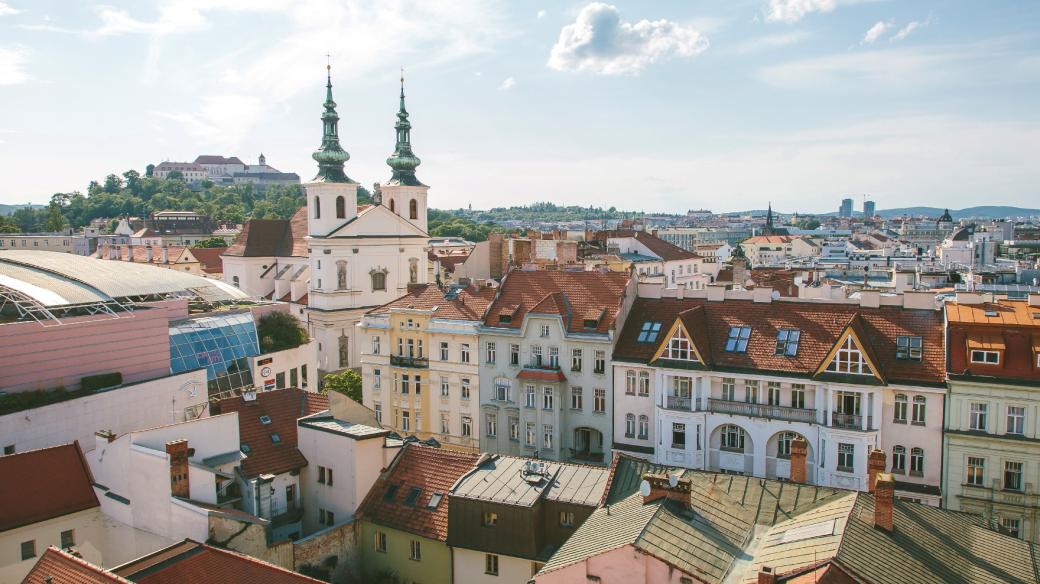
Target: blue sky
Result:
[[643, 105]]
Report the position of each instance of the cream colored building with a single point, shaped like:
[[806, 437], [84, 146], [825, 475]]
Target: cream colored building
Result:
[[61, 242]]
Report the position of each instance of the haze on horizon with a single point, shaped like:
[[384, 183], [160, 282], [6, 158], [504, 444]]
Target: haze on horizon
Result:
[[653, 105]]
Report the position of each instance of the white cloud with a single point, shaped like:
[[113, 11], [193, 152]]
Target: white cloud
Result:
[[769, 41], [600, 42], [12, 63], [906, 30], [508, 83], [6, 9], [540, 14], [877, 31], [794, 10]]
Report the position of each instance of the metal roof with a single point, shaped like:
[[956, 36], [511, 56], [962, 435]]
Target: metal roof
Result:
[[502, 479]]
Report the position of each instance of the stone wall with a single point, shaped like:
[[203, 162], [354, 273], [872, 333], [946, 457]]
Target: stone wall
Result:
[[319, 549]]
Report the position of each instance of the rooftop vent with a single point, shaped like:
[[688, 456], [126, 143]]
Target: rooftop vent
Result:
[[534, 472], [992, 313]]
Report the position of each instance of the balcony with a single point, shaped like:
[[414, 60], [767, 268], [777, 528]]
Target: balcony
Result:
[[415, 362], [676, 402], [851, 421], [721, 406]]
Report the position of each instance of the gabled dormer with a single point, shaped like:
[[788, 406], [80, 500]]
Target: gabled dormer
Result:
[[685, 345], [851, 358]]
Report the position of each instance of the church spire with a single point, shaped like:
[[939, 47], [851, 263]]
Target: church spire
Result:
[[769, 219], [403, 161], [330, 156]]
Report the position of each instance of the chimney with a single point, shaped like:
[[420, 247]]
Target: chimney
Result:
[[766, 576], [165, 255], [884, 496], [875, 466], [660, 488], [799, 455], [129, 252], [178, 453], [148, 254]]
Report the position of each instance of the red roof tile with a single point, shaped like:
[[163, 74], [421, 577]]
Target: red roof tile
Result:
[[199, 563], [581, 292], [272, 237], [283, 407], [469, 304], [209, 257], [44, 484], [821, 325], [432, 470], [59, 567], [542, 375]]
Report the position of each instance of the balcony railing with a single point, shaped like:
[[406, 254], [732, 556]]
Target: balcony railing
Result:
[[404, 361], [676, 402], [721, 406], [851, 421], [543, 366]]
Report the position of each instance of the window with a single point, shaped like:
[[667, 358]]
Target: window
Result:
[[918, 411], [317, 208], [738, 339], [341, 275], [464, 388], [783, 444], [547, 398], [491, 423], [1012, 476], [341, 208], [977, 417], [490, 519], [379, 412], [491, 564], [375, 345], [1016, 420], [28, 549], [326, 517], [846, 457], [1011, 526], [380, 542], [405, 421], [490, 357], [849, 360], [601, 401], [529, 396], [566, 518], [576, 401], [413, 497], [404, 384], [275, 438], [68, 538], [265, 420], [377, 379], [444, 351], [413, 209], [729, 389], [391, 492], [467, 426], [644, 427], [644, 383], [601, 362], [415, 553], [545, 331], [648, 332], [464, 353], [679, 347], [514, 429], [234, 281], [321, 475], [678, 435], [378, 281], [917, 461], [899, 416], [554, 357], [530, 434], [732, 438], [985, 357], [798, 396], [514, 354], [536, 355], [908, 348], [898, 459], [445, 387], [576, 361], [502, 390], [547, 436], [773, 393], [630, 382], [630, 425], [787, 342], [976, 471], [445, 423], [751, 391]]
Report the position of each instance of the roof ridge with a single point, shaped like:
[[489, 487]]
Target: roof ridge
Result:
[[82, 563]]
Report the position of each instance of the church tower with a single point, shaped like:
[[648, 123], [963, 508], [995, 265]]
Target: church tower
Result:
[[331, 195], [403, 193]]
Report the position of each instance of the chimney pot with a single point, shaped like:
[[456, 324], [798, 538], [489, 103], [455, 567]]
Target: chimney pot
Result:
[[884, 499]]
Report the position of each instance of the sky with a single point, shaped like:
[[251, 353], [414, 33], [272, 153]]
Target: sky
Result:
[[639, 104]]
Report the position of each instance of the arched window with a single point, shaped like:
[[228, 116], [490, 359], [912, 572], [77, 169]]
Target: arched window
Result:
[[917, 461], [378, 281], [341, 274], [392, 208], [899, 459], [341, 208], [413, 209], [783, 444], [733, 438], [234, 281], [317, 208], [630, 425], [644, 427], [900, 413], [919, 404]]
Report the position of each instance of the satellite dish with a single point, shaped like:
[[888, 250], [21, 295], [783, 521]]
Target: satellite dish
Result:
[[644, 488], [672, 481]]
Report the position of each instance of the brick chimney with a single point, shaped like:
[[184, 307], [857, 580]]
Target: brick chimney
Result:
[[799, 455], [178, 453], [661, 489], [884, 498], [875, 466], [766, 576]]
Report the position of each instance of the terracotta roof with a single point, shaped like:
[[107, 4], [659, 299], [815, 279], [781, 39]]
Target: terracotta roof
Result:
[[770, 239], [779, 279], [282, 407], [198, 563], [583, 293], [272, 237], [450, 262], [44, 484], [469, 304], [209, 257], [550, 375], [1005, 313], [59, 567], [821, 325], [432, 470]]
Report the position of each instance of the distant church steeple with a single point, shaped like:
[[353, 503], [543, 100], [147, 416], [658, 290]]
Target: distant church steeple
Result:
[[330, 156], [769, 219], [403, 161]]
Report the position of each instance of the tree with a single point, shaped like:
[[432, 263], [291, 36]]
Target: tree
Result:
[[347, 382], [55, 220], [279, 331], [7, 225], [175, 175], [211, 242]]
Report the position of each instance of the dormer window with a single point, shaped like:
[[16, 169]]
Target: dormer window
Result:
[[265, 420], [908, 348], [391, 492], [679, 347], [591, 323], [648, 332], [738, 339], [985, 357], [787, 342], [849, 359]]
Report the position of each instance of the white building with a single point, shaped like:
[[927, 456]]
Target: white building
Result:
[[657, 260]]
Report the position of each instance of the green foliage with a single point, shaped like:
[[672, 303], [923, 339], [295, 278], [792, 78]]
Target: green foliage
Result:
[[551, 212], [279, 331], [807, 224], [7, 225], [347, 382], [455, 224], [211, 242], [102, 380]]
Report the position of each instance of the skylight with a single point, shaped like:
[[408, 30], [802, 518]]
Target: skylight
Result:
[[787, 342], [435, 499], [265, 420], [413, 497], [275, 437], [738, 339], [391, 492], [648, 332], [245, 448], [820, 529]]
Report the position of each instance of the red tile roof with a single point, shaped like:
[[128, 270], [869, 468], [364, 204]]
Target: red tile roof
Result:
[[283, 407], [821, 325], [551, 376], [581, 292], [44, 484], [59, 567], [469, 304], [770, 239], [199, 563], [272, 237], [433, 470], [209, 257]]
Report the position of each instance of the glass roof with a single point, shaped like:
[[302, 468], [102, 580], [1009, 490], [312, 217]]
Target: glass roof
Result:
[[222, 344]]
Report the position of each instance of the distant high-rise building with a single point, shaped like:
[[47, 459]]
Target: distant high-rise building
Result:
[[846, 208], [869, 207]]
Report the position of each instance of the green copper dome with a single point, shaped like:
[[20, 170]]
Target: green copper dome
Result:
[[403, 161], [330, 156]]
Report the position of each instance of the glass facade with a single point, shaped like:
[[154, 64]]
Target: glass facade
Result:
[[221, 344]]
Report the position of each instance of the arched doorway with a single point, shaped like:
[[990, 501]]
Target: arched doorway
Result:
[[731, 450], [588, 445]]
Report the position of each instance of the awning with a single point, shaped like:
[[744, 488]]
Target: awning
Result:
[[553, 376], [986, 342]]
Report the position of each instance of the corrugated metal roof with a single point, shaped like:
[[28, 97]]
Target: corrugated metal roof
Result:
[[502, 480]]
